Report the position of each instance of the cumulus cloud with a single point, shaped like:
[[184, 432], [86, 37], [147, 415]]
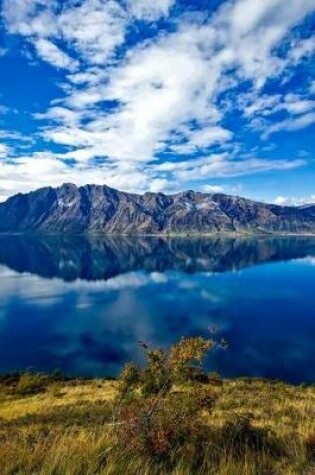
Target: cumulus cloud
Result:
[[30, 17], [94, 28]]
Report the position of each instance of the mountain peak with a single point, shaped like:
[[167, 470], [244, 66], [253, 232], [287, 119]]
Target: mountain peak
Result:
[[100, 209], [68, 186]]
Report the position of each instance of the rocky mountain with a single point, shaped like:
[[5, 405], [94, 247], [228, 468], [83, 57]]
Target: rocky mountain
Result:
[[100, 209], [309, 209]]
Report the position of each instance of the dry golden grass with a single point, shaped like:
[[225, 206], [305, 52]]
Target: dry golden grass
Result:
[[282, 407], [66, 429], [58, 394]]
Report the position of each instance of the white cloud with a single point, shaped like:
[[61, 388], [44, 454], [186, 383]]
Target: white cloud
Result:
[[221, 166], [49, 52], [297, 112], [200, 139], [164, 90], [295, 123], [171, 81], [25, 173], [296, 105], [254, 104], [294, 201], [148, 9], [4, 150], [94, 28], [213, 189], [61, 114], [302, 48], [30, 17], [209, 135], [252, 28]]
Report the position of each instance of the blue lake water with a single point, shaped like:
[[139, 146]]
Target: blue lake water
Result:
[[81, 305]]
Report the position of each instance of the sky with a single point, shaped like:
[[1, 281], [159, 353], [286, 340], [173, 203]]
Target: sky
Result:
[[163, 95]]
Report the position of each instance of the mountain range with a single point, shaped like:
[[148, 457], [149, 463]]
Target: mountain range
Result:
[[100, 209]]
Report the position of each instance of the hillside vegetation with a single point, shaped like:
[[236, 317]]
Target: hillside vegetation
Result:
[[168, 418]]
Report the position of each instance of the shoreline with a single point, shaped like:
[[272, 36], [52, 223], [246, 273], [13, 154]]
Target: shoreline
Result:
[[163, 235]]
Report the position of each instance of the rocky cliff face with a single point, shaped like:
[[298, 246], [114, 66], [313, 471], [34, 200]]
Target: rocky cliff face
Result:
[[100, 209]]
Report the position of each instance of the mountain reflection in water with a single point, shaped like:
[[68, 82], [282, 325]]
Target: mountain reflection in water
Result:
[[81, 304], [100, 258]]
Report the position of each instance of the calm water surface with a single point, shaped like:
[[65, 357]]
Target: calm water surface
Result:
[[82, 304]]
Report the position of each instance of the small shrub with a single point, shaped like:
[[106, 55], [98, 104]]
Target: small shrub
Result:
[[155, 422], [182, 364], [156, 378], [129, 378], [186, 358], [158, 427]]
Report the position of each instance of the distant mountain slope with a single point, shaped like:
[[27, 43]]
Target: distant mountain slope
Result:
[[100, 209], [308, 209]]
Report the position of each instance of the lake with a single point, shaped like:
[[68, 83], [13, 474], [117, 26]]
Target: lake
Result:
[[82, 304]]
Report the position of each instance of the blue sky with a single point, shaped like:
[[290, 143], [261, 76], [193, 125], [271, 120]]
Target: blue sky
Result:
[[160, 95]]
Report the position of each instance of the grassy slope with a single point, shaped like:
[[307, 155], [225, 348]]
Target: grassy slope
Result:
[[66, 429]]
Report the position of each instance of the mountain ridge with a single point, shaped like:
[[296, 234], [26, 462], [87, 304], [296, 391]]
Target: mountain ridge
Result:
[[102, 209]]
